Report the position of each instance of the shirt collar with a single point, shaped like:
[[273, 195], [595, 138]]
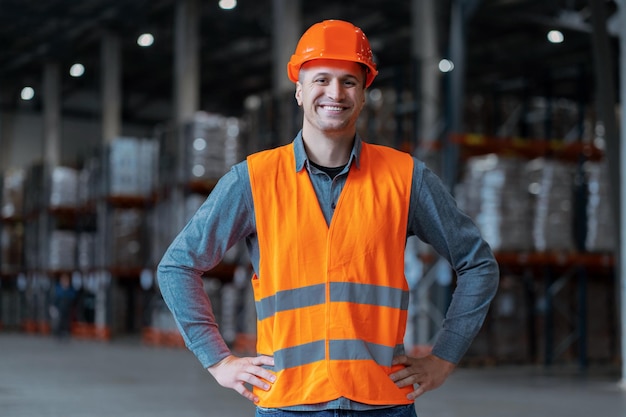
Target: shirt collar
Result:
[[302, 159]]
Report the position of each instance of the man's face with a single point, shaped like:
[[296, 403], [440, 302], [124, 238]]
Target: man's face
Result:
[[332, 95]]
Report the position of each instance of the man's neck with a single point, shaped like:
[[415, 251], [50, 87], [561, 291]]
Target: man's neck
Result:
[[328, 151]]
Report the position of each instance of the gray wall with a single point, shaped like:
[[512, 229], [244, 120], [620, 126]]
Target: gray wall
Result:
[[21, 139]]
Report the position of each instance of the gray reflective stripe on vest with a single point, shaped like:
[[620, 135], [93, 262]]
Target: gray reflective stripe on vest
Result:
[[291, 299], [369, 294], [299, 355], [362, 350], [339, 350], [339, 292]]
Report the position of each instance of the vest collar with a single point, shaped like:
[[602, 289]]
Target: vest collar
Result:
[[302, 159]]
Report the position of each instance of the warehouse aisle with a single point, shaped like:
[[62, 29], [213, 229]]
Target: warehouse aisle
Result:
[[44, 377]]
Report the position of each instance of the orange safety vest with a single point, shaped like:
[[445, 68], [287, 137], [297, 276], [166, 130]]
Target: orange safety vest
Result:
[[331, 301]]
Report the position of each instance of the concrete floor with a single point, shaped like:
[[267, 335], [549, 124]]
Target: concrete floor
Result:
[[41, 377]]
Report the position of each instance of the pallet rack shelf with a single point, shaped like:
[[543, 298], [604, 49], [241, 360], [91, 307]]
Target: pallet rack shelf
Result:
[[555, 282]]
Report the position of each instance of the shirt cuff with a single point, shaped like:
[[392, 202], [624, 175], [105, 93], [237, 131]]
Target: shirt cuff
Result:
[[209, 355], [451, 346]]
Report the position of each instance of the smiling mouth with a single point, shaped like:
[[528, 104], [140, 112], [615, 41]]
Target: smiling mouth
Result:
[[332, 108]]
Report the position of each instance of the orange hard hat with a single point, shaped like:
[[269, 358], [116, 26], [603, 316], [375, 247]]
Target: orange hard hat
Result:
[[333, 39]]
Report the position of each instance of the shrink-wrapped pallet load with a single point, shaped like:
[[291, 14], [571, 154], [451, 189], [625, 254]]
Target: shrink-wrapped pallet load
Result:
[[494, 194]]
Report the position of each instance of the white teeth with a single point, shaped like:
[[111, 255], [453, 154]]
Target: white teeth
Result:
[[333, 108]]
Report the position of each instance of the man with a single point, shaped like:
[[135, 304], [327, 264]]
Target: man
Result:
[[326, 219]]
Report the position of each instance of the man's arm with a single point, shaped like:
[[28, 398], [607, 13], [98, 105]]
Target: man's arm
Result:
[[225, 218], [222, 220], [435, 218]]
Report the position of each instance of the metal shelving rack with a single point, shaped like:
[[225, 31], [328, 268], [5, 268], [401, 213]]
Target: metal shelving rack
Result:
[[555, 283]]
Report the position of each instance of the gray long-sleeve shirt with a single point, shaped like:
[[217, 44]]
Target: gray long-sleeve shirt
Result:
[[227, 216]]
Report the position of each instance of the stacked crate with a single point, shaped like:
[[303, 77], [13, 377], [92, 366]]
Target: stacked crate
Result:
[[131, 166], [212, 146], [192, 158], [11, 248], [493, 193], [11, 230], [551, 184], [62, 237], [601, 236]]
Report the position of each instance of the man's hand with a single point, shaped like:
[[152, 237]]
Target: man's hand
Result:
[[233, 372], [428, 373]]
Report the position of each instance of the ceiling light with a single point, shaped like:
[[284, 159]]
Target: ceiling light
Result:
[[27, 93], [253, 102], [228, 4], [77, 70], [445, 65], [555, 36], [145, 40]]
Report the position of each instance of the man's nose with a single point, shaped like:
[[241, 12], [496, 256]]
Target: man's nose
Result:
[[335, 90]]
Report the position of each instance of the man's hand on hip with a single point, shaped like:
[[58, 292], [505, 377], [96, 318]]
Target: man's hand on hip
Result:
[[428, 373], [234, 372]]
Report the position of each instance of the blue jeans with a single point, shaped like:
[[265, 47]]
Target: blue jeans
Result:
[[399, 411]]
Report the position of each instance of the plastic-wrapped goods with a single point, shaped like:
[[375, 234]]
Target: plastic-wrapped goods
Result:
[[550, 185], [34, 189], [90, 184], [147, 166], [162, 232], [494, 194], [13, 194], [62, 250], [212, 146], [601, 232], [132, 166], [86, 250], [127, 248], [63, 187], [123, 154]]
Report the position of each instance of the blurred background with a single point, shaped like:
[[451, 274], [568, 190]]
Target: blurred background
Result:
[[118, 117]]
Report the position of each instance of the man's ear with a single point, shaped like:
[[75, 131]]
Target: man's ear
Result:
[[298, 94]]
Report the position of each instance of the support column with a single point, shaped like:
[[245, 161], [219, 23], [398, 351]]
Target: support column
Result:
[[622, 183], [606, 101], [186, 95], [286, 31], [461, 11], [52, 114], [425, 56], [186, 61], [111, 87], [4, 145], [455, 93], [111, 82]]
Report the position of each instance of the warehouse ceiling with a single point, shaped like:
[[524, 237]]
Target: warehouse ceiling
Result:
[[506, 49]]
